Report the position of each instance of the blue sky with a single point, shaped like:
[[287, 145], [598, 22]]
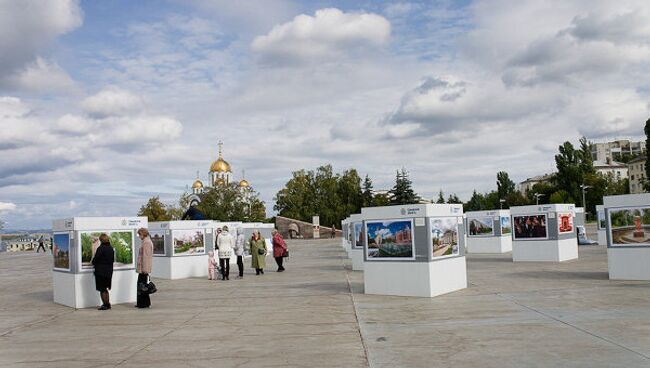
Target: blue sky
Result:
[[104, 104]]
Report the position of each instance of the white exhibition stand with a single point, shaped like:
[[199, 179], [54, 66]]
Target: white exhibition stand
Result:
[[356, 255], [75, 286], [172, 266], [626, 262], [601, 225], [422, 279], [556, 246], [428, 273], [495, 242]]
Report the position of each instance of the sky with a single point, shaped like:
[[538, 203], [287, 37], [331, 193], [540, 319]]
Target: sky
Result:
[[104, 104]]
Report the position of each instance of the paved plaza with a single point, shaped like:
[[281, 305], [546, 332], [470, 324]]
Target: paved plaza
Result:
[[316, 315]]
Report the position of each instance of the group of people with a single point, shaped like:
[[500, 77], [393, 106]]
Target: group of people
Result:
[[225, 244]]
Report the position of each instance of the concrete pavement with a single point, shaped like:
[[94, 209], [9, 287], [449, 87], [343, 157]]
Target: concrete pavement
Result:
[[315, 314]]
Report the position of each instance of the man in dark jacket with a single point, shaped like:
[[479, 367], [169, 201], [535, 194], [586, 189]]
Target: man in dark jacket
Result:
[[103, 262], [193, 213]]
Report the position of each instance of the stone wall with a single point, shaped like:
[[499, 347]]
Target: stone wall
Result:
[[305, 229]]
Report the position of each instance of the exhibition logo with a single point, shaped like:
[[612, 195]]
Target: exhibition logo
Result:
[[131, 222], [201, 224], [68, 224], [409, 211]]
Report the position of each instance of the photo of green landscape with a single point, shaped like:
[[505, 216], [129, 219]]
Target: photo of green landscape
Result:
[[188, 242], [121, 241]]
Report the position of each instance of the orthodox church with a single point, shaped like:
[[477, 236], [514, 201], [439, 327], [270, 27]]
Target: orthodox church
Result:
[[220, 174]]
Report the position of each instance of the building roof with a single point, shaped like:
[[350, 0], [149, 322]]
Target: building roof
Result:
[[608, 165], [637, 160], [539, 178]]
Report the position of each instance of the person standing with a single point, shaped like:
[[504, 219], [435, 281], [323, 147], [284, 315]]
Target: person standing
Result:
[[279, 249], [145, 260], [41, 245], [239, 251], [103, 263], [333, 231], [225, 243], [258, 252]]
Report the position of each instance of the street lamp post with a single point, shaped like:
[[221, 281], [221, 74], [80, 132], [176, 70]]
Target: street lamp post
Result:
[[537, 197], [584, 202], [501, 202]]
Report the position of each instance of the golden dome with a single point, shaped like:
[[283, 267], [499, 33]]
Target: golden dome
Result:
[[197, 184], [219, 181], [244, 183], [220, 166]]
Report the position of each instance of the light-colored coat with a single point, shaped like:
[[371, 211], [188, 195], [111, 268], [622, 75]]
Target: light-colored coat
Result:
[[258, 260], [145, 256], [239, 243], [225, 243]]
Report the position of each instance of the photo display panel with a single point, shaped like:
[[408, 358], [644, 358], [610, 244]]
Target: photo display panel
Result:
[[61, 251], [602, 222], [188, 242], [158, 240], [390, 239], [565, 223], [506, 226], [630, 227], [358, 234], [480, 226], [530, 227], [121, 241], [444, 236]]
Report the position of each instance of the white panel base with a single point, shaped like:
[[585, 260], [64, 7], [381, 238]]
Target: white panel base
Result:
[[78, 291], [174, 268], [423, 279], [493, 244], [602, 237], [356, 255], [628, 263], [545, 250]]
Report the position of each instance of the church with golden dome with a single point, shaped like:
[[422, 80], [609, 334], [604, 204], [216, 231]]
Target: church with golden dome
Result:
[[220, 174]]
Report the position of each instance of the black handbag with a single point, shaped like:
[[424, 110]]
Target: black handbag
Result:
[[261, 251], [285, 254], [151, 288], [146, 288]]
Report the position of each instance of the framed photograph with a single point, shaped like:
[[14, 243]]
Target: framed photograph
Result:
[[530, 227], [121, 241], [158, 239], [480, 226], [358, 235], [188, 242], [565, 223], [444, 237], [390, 239], [61, 251], [506, 226], [630, 227]]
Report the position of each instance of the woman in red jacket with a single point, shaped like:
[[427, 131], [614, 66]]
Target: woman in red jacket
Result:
[[279, 249]]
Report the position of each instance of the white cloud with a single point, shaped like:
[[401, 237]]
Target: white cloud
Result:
[[329, 34], [112, 101], [26, 29], [42, 76], [7, 206]]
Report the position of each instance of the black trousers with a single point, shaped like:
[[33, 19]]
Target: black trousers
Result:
[[224, 263], [143, 299], [40, 245], [240, 265], [279, 260]]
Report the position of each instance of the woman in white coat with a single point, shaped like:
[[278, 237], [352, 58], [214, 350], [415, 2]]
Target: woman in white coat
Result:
[[225, 244], [239, 251]]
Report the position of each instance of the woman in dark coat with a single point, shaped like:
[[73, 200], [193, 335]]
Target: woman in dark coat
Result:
[[103, 262]]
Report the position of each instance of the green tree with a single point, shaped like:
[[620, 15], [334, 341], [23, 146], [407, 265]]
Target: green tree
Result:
[[569, 172], [402, 192], [177, 211], [453, 198], [646, 129], [380, 200], [560, 196], [350, 193], [155, 210], [475, 203], [441, 197], [505, 186], [229, 202], [297, 198], [366, 195]]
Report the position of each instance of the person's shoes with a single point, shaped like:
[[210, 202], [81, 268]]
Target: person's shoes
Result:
[[239, 277], [281, 270], [262, 271], [139, 307], [104, 307]]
